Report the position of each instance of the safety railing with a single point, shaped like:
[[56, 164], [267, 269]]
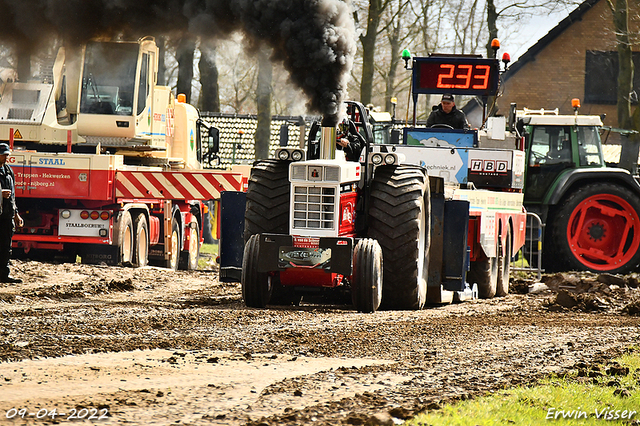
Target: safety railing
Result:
[[529, 259]]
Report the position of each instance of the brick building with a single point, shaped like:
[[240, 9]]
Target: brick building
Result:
[[576, 59]]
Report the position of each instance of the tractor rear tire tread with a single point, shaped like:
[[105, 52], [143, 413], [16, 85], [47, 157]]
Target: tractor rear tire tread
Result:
[[267, 199], [401, 192]]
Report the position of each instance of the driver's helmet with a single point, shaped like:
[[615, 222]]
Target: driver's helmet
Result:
[[343, 128]]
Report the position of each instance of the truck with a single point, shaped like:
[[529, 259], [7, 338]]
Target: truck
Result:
[[398, 229], [108, 163]]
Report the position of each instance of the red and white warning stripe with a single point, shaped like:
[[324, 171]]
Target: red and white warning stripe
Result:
[[176, 185]]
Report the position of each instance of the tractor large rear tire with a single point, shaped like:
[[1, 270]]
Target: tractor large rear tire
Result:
[[400, 219], [596, 228], [267, 199], [366, 289], [256, 286]]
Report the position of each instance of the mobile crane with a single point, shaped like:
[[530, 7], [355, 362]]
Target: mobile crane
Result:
[[108, 163]]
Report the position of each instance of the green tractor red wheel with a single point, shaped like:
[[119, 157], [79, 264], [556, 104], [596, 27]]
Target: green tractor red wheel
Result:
[[598, 229]]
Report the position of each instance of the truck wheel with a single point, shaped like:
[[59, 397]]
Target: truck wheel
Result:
[[267, 199], [485, 274], [597, 228], [400, 220], [189, 259], [125, 254], [256, 287], [174, 258], [504, 265], [141, 253], [366, 289]]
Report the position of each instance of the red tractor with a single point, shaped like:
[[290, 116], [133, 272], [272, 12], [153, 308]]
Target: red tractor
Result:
[[322, 226]]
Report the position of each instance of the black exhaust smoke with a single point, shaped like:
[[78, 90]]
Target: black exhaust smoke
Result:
[[315, 39]]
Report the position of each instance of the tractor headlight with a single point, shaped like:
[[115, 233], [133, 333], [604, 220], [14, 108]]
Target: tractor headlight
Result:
[[376, 159], [283, 154], [390, 159], [296, 155]]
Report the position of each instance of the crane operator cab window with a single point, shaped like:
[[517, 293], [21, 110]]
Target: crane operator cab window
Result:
[[108, 78]]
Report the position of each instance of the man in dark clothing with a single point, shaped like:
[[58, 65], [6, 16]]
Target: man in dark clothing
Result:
[[447, 113], [9, 215], [350, 140]]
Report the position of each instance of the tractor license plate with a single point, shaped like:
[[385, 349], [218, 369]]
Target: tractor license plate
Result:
[[299, 257]]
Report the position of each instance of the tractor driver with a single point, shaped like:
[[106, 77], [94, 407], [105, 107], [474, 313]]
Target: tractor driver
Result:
[[447, 114], [350, 140]]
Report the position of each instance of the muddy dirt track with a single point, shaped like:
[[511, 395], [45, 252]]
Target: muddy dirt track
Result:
[[151, 346]]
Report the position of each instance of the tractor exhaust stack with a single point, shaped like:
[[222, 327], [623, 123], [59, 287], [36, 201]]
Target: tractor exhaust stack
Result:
[[328, 142]]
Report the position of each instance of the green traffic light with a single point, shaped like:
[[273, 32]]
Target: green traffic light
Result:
[[406, 54]]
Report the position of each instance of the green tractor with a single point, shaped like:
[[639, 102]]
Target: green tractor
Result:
[[590, 211]]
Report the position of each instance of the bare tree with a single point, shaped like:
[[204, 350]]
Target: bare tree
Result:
[[210, 90], [242, 83], [368, 41], [400, 31], [467, 27], [184, 55], [631, 145], [263, 102]]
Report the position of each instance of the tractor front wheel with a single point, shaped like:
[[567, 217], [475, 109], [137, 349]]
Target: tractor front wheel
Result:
[[596, 228], [256, 286], [366, 289]]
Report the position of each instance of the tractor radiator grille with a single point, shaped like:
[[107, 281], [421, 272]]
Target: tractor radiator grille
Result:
[[314, 208]]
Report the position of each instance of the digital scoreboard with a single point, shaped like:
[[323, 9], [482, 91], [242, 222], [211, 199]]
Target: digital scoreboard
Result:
[[455, 75]]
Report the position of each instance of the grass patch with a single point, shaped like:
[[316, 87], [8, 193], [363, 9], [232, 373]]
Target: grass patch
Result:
[[208, 254], [588, 396], [209, 249]]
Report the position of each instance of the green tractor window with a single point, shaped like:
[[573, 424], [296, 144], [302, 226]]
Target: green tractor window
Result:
[[550, 145], [589, 146]]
